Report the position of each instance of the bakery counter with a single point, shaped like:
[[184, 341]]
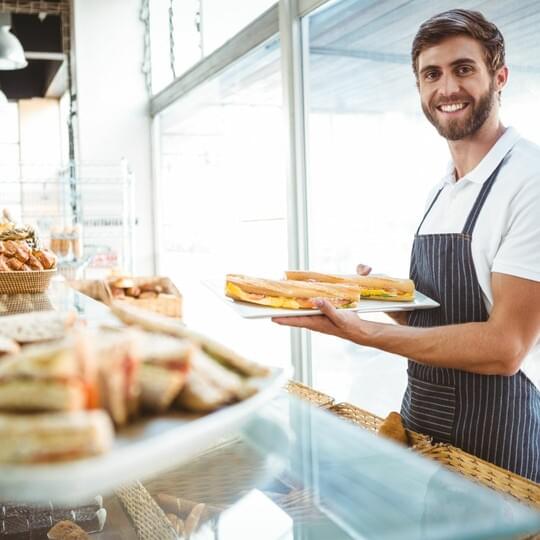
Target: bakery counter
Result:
[[290, 470], [60, 297]]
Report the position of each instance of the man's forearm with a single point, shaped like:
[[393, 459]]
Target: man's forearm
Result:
[[399, 317], [475, 347]]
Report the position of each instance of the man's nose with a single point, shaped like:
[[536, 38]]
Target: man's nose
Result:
[[448, 85]]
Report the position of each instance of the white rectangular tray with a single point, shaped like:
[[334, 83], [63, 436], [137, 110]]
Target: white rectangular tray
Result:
[[142, 450], [253, 311]]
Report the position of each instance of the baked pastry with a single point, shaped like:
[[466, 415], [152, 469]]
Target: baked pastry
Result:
[[34, 263], [46, 258], [133, 291], [23, 251], [124, 283], [10, 248], [67, 530], [392, 428], [14, 263]]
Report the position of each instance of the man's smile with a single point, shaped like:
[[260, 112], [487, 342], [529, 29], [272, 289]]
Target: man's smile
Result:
[[452, 108]]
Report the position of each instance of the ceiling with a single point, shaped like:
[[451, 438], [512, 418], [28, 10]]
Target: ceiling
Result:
[[45, 74]]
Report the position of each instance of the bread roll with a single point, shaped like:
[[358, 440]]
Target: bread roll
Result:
[[46, 258], [14, 264], [10, 248], [34, 263], [392, 428], [23, 251], [3, 263], [67, 530]]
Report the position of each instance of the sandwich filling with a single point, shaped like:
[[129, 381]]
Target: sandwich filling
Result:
[[234, 291], [386, 294]]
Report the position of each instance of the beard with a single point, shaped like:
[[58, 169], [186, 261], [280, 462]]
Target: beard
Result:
[[457, 129]]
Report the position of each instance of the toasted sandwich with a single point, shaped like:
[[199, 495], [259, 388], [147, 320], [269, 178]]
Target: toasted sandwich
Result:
[[54, 376], [165, 362], [290, 294], [117, 368], [46, 437], [370, 287]]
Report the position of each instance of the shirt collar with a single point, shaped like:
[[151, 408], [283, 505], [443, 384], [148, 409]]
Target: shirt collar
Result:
[[489, 162]]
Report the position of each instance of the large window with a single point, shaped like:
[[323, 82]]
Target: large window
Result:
[[372, 159], [182, 32], [372, 156], [223, 200]]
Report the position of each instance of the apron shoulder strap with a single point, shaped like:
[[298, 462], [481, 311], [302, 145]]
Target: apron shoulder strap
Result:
[[428, 210], [480, 200]]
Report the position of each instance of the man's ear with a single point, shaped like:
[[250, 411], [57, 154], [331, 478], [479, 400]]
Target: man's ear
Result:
[[501, 78]]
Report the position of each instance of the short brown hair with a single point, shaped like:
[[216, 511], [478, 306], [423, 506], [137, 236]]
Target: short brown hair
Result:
[[457, 22]]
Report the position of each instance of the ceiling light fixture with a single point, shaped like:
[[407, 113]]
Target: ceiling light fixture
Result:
[[11, 50]]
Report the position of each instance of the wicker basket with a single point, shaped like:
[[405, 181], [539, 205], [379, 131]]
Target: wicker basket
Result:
[[485, 473], [33, 281], [309, 394], [372, 422], [147, 517], [169, 304]]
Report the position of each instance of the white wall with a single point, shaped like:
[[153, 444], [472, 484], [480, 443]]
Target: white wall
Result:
[[113, 119], [39, 131]]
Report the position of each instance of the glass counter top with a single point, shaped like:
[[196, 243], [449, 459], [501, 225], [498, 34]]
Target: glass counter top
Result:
[[293, 471]]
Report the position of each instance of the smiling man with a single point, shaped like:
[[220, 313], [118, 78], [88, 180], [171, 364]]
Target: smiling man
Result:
[[477, 252]]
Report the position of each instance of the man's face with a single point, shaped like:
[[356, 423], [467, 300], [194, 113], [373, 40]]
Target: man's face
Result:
[[457, 91]]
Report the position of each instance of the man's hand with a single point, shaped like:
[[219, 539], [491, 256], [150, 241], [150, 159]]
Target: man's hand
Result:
[[363, 269], [344, 324]]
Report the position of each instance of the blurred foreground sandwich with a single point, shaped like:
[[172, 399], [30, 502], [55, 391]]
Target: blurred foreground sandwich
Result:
[[45, 437], [291, 294], [217, 376], [57, 376], [165, 364], [370, 287]]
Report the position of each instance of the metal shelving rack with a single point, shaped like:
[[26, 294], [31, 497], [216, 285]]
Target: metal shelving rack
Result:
[[98, 196]]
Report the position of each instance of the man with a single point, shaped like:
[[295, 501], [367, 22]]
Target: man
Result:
[[477, 252]]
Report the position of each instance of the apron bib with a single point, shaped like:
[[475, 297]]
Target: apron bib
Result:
[[494, 417]]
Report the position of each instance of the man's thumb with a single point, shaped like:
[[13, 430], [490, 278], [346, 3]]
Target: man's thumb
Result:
[[363, 269]]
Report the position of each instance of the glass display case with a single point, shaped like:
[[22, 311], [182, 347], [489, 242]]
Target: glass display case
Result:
[[294, 471]]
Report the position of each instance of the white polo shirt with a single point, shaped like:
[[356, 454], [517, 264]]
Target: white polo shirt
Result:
[[506, 238]]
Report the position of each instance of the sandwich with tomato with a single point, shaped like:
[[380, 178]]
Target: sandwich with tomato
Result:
[[370, 287], [290, 293]]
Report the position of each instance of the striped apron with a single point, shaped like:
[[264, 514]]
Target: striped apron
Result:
[[494, 417]]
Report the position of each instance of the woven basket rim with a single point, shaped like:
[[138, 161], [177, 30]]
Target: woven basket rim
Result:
[[27, 272], [25, 281]]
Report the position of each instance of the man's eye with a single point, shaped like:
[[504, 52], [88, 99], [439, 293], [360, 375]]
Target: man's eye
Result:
[[464, 70], [430, 75]]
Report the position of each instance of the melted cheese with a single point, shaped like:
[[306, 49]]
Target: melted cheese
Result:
[[237, 293], [272, 301]]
